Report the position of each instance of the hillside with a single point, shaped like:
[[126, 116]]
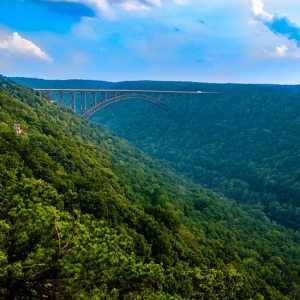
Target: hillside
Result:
[[242, 142], [86, 215]]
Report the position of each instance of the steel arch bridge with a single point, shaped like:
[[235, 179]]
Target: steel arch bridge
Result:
[[88, 101]]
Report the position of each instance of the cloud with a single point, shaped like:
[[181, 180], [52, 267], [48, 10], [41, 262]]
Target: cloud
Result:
[[281, 51], [100, 7], [16, 44], [259, 12], [71, 10], [138, 5], [154, 2], [107, 7], [277, 24], [181, 2]]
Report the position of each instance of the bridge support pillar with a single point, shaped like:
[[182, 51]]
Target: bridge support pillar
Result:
[[61, 96], [73, 101], [82, 103]]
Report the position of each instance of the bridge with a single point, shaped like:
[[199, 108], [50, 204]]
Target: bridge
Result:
[[89, 101]]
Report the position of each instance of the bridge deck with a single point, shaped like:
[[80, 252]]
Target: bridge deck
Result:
[[120, 91]]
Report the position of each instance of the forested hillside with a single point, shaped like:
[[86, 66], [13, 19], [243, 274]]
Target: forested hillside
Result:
[[85, 215], [243, 142]]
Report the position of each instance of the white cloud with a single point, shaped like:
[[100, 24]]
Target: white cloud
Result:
[[132, 5], [106, 7], [279, 25], [180, 2], [281, 51], [16, 44], [156, 3], [101, 7], [258, 10]]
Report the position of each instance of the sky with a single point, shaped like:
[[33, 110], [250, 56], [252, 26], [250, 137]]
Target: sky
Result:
[[239, 41]]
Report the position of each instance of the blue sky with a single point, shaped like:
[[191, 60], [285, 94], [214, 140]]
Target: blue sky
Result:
[[243, 41]]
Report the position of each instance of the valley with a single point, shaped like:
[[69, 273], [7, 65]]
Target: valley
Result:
[[103, 219]]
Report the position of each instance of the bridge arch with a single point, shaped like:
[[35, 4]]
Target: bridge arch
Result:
[[108, 101]]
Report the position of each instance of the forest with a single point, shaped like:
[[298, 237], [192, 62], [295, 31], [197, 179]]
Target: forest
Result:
[[242, 142], [86, 215]]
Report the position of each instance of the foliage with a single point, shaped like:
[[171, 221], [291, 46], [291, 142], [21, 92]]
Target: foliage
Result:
[[242, 142], [84, 215]]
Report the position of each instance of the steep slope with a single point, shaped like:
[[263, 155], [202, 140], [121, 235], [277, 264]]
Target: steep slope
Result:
[[84, 214], [242, 142]]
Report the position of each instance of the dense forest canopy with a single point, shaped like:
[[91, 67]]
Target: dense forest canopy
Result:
[[242, 142], [86, 215]]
